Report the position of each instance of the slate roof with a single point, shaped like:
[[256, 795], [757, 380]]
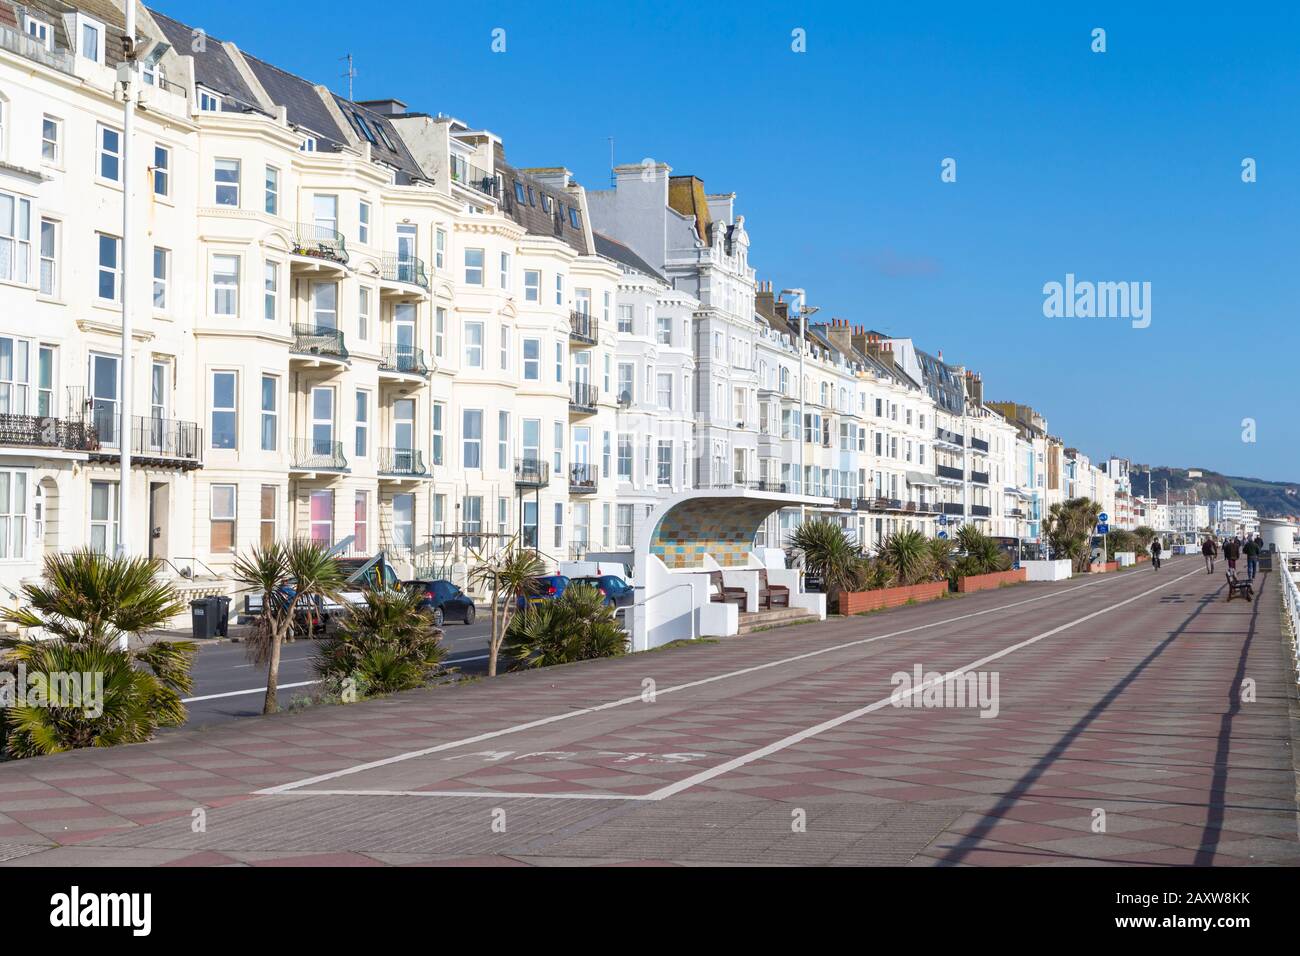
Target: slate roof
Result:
[[615, 250], [52, 11], [943, 383], [531, 213], [213, 67]]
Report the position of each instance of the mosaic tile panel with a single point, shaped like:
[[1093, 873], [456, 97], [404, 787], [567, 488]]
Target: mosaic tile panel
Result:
[[721, 527]]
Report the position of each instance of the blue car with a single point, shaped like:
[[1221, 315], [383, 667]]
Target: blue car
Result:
[[616, 591], [546, 588]]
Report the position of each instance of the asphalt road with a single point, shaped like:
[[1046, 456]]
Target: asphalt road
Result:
[[1132, 718], [227, 686]]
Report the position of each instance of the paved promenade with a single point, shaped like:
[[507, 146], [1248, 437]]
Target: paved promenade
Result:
[[1121, 736]]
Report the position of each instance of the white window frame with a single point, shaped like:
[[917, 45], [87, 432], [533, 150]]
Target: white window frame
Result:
[[16, 239], [230, 517], [474, 345], [532, 285], [218, 185], [225, 295], [161, 283], [54, 145], [114, 270], [232, 410], [102, 152]]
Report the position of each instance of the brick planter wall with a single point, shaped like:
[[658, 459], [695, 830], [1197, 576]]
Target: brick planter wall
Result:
[[1108, 566], [982, 582], [856, 602]]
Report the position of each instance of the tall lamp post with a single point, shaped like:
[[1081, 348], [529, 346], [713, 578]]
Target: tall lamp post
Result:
[[127, 76]]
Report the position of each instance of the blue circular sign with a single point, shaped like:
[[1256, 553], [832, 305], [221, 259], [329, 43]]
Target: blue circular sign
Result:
[[1103, 518], [943, 534]]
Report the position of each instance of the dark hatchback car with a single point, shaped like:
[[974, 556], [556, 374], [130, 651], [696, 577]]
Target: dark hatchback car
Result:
[[616, 591], [444, 601]]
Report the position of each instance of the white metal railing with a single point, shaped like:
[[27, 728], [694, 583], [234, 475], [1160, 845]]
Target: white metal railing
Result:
[[1291, 602]]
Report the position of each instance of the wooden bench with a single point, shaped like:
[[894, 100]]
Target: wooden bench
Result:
[[1240, 589], [720, 593], [771, 595]]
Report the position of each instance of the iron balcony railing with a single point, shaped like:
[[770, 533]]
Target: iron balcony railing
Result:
[[952, 508], [886, 504], [475, 178], [982, 511], [582, 477], [319, 340], [407, 462], [583, 396], [979, 477], [532, 472], [317, 454], [979, 444], [952, 438], [155, 439], [319, 242], [408, 269], [583, 328], [45, 431], [947, 471], [927, 507], [408, 359]]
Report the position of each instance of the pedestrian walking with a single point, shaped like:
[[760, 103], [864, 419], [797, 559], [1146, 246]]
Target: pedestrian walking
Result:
[[1251, 550], [1210, 549], [1156, 548], [1231, 552]]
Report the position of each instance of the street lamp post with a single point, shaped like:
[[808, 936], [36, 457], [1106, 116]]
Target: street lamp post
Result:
[[802, 312], [127, 74]]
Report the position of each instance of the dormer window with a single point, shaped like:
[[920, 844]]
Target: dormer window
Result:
[[383, 134], [209, 102], [574, 221], [519, 192], [90, 38], [308, 145], [39, 31]]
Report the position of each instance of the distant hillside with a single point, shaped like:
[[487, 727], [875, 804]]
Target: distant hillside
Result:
[[1269, 498]]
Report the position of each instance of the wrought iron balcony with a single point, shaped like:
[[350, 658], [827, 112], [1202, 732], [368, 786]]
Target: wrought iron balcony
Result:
[[402, 462], [317, 454], [582, 477], [44, 431], [583, 397], [979, 477], [407, 269], [979, 444], [156, 440], [319, 340], [981, 511], [947, 471], [952, 508], [319, 242], [532, 473], [403, 359], [584, 328]]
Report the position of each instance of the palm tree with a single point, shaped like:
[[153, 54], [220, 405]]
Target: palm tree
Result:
[[290, 578], [91, 604], [507, 576], [387, 644], [577, 626], [829, 552], [1069, 526], [907, 554], [941, 560]]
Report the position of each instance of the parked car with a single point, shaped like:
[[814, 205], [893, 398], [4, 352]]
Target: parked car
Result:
[[616, 591], [444, 601], [548, 587]]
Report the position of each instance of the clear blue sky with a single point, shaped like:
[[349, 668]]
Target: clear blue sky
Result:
[[1117, 166]]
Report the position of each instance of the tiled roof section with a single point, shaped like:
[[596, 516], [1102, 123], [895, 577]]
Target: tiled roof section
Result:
[[213, 67], [386, 145], [942, 382], [52, 12], [615, 250], [303, 105], [8, 18], [531, 213]]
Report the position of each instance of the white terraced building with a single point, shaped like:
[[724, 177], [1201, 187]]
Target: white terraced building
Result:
[[360, 323]]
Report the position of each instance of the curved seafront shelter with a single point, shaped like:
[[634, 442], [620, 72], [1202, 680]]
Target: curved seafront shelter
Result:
[[692, 539]]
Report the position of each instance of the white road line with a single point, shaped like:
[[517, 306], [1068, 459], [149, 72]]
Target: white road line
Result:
[[471, 793], [543, 721], [240, 693], [695, 779]]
